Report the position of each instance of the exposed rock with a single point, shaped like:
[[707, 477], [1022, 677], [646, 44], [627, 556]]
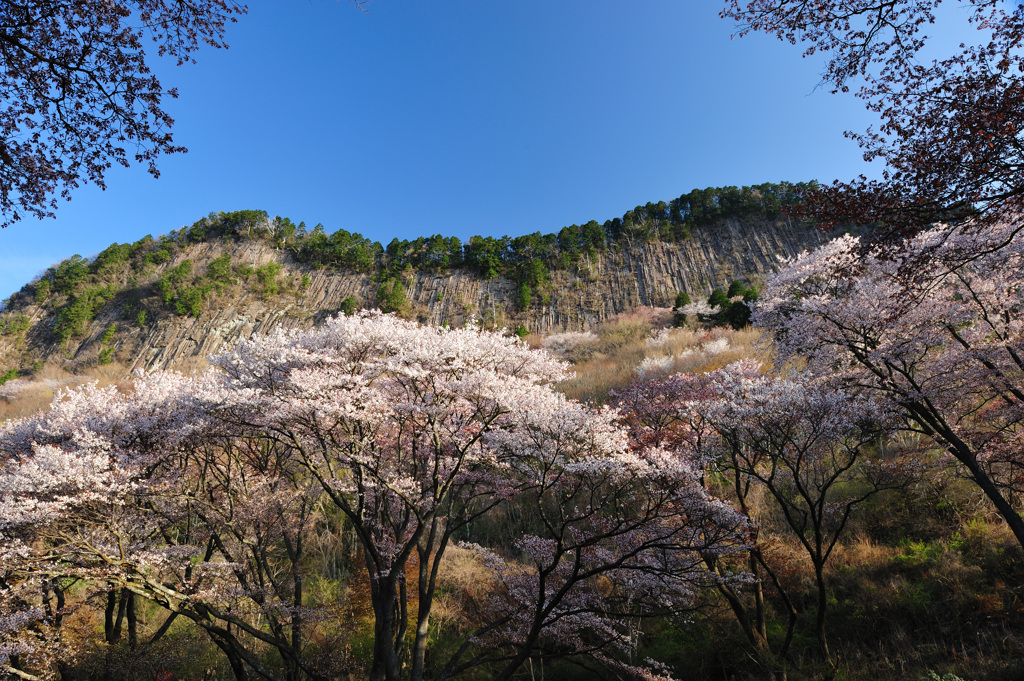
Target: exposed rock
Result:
[[602, 286]]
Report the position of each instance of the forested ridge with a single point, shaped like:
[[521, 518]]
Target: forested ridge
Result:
[[135, 285], [526, 257]]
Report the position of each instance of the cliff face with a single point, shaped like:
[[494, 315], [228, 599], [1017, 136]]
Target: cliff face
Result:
[[600, 287]]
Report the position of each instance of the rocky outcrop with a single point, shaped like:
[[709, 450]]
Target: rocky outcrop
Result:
[[600, 287]]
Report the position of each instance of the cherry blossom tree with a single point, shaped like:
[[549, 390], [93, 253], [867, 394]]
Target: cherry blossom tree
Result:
[[619, 539], [675, 413], [802, 441], [200, 495], [139, 495], [934, 331], [44, 472], [809, 446], [414, 433]]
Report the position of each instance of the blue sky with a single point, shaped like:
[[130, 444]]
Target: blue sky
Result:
[[463, 117]]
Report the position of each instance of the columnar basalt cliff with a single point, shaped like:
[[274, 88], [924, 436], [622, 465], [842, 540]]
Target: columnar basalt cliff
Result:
[[134, 327]]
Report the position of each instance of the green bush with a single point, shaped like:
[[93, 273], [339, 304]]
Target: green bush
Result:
[[718, 299], [523, 296], [159, 256], [219, 271], [182, 295], [9, 375], [108, 335], [69, 273], [82, 309], [737, 315], [112, 258], [266, 277], [391, 296], [172, 281], [190, 300], [41, 290], [348, 306], [14, 324]]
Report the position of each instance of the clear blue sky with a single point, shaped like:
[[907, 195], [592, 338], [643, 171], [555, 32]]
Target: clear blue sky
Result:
[[463, 117]]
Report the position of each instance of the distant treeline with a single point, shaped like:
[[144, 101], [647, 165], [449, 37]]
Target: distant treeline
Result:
[[527, 259], [490, 256]]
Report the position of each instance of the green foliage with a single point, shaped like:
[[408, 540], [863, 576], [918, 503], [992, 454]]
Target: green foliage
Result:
[[718, 299], [78, 288], [112, 259], [140, 319], [701, 207], [391, 296], [522, 332], [251, 223], [180, 292], [533, 279], [283, 231], [41, 290], [9, 375], [536, 273], [108, 335], [159, 256], [266, 277], [81, 309], [490, 256], [190, 300], [173, 280], [483, 255], [68, 274], [106, 356], [219, 271], [341, 249], [14, 324], [349, 305], [735, 314], [523, 296], [434, 253], [682, 300]]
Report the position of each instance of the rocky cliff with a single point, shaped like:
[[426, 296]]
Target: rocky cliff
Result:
[[134, 329]]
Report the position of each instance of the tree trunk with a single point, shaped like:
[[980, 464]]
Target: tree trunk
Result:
[[234, 659], [133, 630], [108, 616], [819, 578], [935, 424], [386, 665]]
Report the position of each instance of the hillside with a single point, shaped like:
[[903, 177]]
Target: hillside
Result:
[[922, 576], [169, 302]]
